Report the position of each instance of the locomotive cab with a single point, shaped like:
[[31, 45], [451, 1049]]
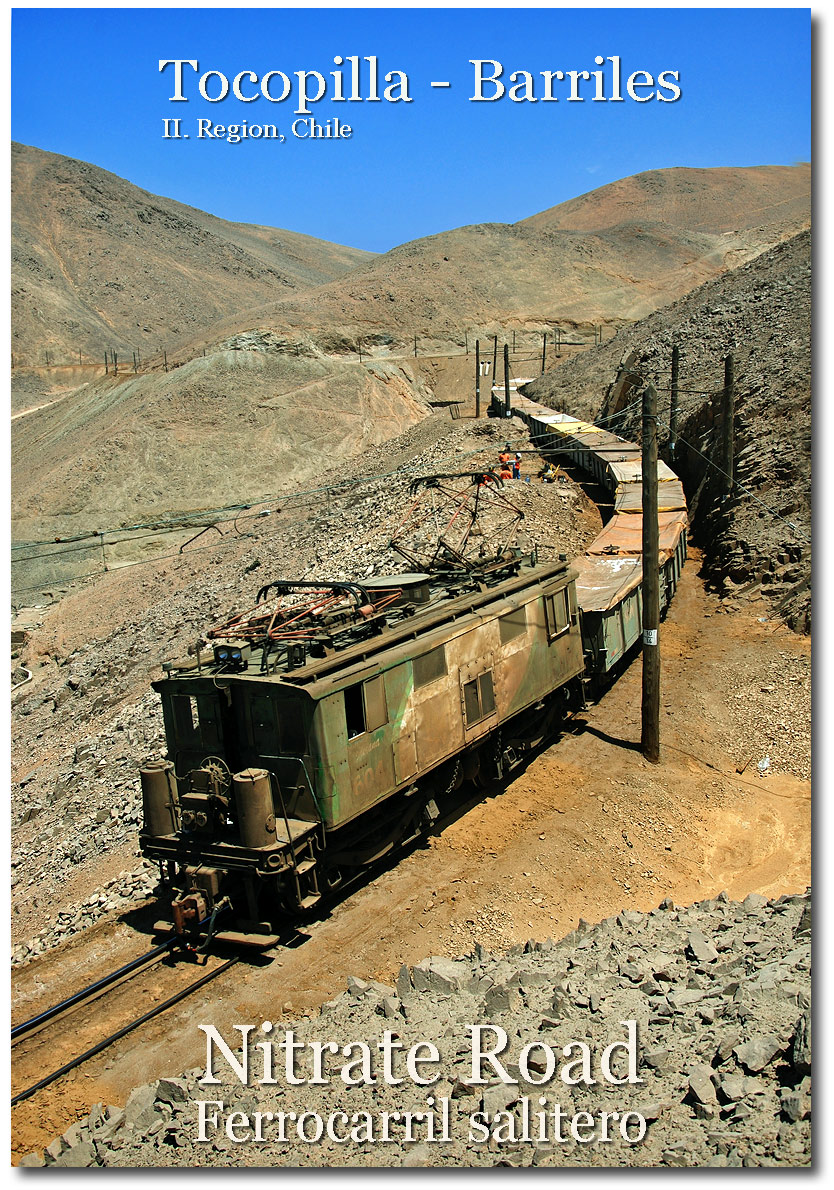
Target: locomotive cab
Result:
[[231, 817]]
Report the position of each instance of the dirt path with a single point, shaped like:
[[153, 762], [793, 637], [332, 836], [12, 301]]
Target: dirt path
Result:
[[45, 405], [587, 829]]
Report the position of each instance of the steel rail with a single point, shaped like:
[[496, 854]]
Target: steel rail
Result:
[[25, 1028], [102, 1045]]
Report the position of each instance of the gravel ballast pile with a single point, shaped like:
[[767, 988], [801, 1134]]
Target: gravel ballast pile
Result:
[[707, 1009]]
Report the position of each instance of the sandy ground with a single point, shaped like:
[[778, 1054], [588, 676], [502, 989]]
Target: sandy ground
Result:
[[588, 828]]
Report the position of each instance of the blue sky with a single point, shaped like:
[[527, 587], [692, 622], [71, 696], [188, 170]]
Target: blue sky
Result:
[[86, 83]]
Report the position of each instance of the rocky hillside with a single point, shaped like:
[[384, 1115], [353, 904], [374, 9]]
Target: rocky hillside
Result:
[[609, 257], [759, 539], [710, 1005], [248, 420], [98, 263]]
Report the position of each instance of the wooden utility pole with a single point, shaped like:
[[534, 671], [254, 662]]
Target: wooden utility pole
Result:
[[415, 346], [494, 359], [507, 403], [673, 402], [544, 348], [466, 341], [165, 360], [559, 341], [729, 415], [477, 377], [106, 365], [650, 735], [513, 342]]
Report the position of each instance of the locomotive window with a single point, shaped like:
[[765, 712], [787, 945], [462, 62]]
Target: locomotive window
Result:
[[276, 727], [487, 693], [513, 624], [557, 613], [208, 720], [185, 717], [264, 733], [478, 698], [365, 707], [354, 711], [471, 702], [292, 729], [195, 721], [429, 667]]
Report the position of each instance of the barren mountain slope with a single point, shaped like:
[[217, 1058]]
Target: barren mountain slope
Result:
[[759, 539], [710, 200], [98, 263], [609, 257], [246, 421]]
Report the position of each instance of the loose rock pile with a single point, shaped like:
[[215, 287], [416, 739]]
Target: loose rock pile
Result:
[[117, 895], [720, 993]]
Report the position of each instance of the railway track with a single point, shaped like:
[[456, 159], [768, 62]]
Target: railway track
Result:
[[33, 1038]]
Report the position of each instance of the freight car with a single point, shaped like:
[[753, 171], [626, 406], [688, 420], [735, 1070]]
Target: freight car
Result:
[[610, 574], [329, 723]]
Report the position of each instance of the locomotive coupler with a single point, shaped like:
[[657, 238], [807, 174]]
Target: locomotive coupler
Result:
[[191, 912]]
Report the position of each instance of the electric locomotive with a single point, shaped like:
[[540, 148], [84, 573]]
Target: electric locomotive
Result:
[[329, 724]]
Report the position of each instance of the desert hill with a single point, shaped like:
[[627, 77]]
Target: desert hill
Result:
[[220, 430], [717, 200], [98, 263], [609, 257], [269, 396]]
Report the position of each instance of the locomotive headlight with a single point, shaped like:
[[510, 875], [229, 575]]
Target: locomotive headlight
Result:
[[229, 656]]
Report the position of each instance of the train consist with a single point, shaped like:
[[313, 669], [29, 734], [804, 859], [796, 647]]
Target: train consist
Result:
[[610, 574], [329, 723]]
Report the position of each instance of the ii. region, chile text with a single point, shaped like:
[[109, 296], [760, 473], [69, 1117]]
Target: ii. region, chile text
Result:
[[305, 128]]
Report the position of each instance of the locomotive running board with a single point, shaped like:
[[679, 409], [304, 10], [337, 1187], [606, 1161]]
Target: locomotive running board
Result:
[[232, 937]]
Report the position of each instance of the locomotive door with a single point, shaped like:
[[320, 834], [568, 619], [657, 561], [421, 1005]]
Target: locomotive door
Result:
[[203, 727], [477, 697]]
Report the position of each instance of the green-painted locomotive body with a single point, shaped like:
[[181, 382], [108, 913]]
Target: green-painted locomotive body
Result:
[[300, 756]]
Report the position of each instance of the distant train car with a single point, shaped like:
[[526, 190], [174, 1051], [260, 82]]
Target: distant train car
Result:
[[610, 575], [331, 721]]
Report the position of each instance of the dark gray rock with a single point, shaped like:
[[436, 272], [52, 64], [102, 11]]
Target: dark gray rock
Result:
[[801, 1048], [79, 1156], [700, 947]]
